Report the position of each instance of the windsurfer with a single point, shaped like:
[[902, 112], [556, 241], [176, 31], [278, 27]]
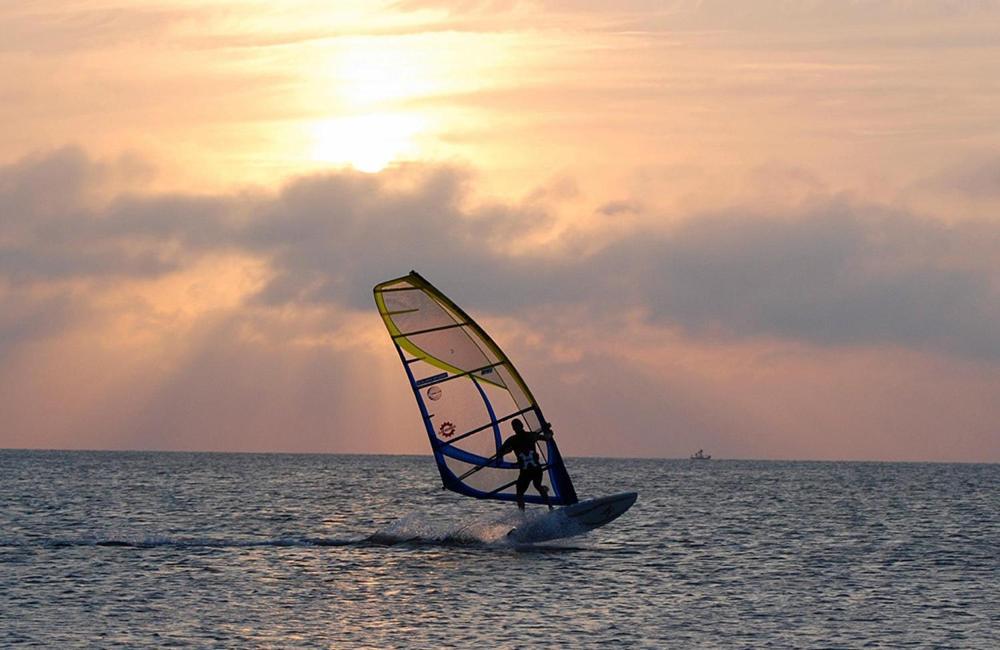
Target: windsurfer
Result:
[[522, 443]]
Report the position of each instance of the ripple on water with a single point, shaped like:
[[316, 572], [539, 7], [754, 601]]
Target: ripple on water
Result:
[[150, 549]]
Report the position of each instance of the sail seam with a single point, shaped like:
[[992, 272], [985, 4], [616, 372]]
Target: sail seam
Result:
[[388, 289], [402, 335], [463, 374]]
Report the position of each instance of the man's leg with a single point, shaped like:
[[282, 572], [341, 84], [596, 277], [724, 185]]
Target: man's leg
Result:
[[523, 479], [544, 491]]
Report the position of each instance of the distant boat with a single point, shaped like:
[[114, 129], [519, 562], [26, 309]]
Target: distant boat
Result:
[[700, 455]]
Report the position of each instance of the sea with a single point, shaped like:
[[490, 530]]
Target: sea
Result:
[[154, 549]]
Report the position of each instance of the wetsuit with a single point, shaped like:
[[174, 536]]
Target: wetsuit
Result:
[[523, 446]]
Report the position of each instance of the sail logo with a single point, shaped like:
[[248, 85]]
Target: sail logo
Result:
[[431, 379], [447, 429]]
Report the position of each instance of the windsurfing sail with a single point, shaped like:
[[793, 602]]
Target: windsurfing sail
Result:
[[468, 392]]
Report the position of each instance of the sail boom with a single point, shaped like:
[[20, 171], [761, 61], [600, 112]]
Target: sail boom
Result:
[[426, 331], [391, 289]]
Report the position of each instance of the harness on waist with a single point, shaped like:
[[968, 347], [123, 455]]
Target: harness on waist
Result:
[[528, 460]]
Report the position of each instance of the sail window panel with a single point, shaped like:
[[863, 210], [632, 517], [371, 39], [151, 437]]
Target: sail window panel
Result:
[[486, 479], [451, 347], [489, 373], [503, 403], [531, 420], [487, 349], [482, 443], [517, 392], [491, 478], [457, 407], [414, 311]]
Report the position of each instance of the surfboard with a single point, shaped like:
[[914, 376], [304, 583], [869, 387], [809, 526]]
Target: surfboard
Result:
[[576, 519]]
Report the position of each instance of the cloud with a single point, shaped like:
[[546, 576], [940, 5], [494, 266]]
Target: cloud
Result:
[[54, 229], [977, 178], [215, 321], [45, 185], [27, 318], [618, 208], [226, 387], [60, 30], [836, 272]]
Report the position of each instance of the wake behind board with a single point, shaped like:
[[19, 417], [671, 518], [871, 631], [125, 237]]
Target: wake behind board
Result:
[[573, 520]]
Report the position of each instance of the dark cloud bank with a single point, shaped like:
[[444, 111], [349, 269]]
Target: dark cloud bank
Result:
[[839, 272]]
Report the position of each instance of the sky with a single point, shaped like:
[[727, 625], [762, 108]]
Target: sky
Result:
[[767, 229]]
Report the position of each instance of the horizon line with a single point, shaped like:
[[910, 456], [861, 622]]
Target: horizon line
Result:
[[430, 455]]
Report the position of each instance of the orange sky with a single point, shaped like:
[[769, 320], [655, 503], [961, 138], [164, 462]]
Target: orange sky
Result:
[[765, 229]]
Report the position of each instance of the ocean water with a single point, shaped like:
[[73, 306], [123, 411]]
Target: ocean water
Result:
[[104, 549]]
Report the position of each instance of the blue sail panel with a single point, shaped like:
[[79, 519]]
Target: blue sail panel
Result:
[[468, 392]]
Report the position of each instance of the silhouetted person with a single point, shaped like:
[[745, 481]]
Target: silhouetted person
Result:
[[522, 443]]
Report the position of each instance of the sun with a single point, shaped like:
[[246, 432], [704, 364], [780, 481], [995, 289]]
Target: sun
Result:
[[368, 143]]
